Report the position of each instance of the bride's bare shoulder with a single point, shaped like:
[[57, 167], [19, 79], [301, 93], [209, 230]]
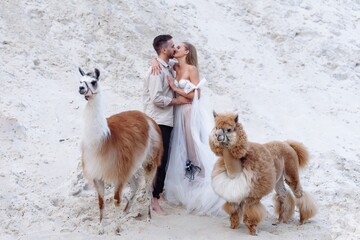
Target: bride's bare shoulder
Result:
[[192, 68]]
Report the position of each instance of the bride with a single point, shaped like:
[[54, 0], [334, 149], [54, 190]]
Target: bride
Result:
[[188, 178]]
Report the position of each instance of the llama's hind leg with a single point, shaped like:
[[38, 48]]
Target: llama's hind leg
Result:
[[284, 202], [150, 171], [100, 188], [134, 186], [254, 213], [117, 194]]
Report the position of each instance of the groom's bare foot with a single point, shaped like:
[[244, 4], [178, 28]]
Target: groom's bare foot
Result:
[[162, 198], [156, 207]]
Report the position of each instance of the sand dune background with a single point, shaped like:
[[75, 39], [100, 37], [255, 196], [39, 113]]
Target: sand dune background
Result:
[[290, 69]]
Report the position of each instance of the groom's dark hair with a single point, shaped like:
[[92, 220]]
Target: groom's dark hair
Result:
[[160, 42]]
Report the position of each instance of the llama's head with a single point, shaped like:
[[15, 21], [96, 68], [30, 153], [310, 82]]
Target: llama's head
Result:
[[89, 83]]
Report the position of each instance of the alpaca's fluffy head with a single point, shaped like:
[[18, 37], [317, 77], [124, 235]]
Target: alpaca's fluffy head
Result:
[[224, 132], [228, 133], [89, 83]]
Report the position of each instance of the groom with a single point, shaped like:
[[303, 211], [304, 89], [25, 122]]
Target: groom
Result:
[[158, 103]]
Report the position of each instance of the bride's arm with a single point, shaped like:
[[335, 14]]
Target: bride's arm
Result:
[[179, 91], [194, 79], [155, 67], [194, 75]]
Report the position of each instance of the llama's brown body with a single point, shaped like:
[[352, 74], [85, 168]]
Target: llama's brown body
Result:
[[128, 139]]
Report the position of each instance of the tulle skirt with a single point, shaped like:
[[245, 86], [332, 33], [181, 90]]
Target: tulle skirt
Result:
[[184, 184]]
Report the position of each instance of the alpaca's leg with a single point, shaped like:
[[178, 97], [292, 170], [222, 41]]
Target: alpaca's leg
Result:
[[307, 207], [304, 202], [234, 210], [284, 202], [254, 213], [241, 210], [100, 188], [134, 185], [292, 175]]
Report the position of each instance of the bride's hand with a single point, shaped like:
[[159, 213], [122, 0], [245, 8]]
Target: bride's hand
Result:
[[155, 67], [171, 82]]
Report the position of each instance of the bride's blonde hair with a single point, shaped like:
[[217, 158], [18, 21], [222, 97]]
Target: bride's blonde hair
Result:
[[191, 58]]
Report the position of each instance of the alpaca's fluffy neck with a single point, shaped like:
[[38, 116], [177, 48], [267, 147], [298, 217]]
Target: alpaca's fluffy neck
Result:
[[95, 124], [233, 165]]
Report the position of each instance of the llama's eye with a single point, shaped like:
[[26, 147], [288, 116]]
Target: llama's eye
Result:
[[93, 83], [229, 130]]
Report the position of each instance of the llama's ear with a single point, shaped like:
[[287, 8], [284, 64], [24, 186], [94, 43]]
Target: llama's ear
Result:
[[97, 73], [236, 118], [215, 114], [81, 72]]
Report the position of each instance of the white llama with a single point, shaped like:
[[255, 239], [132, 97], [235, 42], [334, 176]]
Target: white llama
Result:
[[114, 149]]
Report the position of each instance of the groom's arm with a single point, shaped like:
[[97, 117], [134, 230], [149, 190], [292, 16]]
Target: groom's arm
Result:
[[156, 91]]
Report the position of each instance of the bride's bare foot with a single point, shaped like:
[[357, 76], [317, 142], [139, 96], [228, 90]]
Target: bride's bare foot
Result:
[[156, 207]]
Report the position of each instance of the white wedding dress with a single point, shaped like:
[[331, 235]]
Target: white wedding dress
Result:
[[185, 184]]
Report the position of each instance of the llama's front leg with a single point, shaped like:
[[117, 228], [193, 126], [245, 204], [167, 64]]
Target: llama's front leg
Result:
[[100, 188], [254, 213]]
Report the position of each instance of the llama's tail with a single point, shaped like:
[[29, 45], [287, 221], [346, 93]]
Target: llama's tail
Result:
[[301, 151]]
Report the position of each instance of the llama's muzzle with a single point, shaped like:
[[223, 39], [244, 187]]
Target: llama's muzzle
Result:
[[82, 90]]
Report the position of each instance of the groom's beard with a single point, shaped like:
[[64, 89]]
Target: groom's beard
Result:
[[170, 55]]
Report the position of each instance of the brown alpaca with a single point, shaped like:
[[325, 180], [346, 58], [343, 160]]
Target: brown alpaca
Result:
[[115, 150], [246, 172]]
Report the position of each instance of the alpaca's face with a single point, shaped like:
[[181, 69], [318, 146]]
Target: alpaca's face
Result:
[[224, 132], [89, 83]]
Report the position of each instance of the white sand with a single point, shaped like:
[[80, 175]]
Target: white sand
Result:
[[291, 69]]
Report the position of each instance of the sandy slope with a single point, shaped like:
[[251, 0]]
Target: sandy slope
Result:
[[291, 70]]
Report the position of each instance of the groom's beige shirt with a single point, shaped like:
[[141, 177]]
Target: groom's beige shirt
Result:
[[157, 95]]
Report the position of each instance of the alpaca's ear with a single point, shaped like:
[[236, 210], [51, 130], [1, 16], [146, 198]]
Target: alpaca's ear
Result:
[[97, 73], [215, 114], [81, 72], [236, 118]]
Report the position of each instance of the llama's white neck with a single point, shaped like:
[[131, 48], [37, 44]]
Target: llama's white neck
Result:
[[95, 124]]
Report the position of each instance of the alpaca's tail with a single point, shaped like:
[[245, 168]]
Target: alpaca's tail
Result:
[[301, 151]]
